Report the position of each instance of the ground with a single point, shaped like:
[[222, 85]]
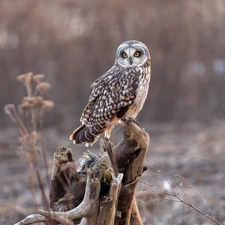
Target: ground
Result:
[[190, 156]]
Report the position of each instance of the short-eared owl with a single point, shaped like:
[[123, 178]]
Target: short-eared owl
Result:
[[119, 93]]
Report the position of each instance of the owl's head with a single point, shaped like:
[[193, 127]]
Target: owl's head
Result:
[[132, 53]]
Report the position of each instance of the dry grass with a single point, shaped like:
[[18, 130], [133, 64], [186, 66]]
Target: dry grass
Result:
[[28, 118]]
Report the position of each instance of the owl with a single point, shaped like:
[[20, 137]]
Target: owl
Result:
[[119, 93]]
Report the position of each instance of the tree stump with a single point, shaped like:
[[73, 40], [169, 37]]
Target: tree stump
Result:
[[101, 190]]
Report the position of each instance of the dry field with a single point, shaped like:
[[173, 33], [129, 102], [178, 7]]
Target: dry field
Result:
[[189, 156]]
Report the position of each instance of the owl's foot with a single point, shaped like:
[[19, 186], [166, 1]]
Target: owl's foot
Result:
[[130, 120], [135, 121]]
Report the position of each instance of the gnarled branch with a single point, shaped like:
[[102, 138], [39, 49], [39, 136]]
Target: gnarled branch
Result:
[[101, 190]]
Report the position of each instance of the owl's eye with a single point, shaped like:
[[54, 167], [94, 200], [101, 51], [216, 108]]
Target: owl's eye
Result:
[[137, 54], [124, 55]]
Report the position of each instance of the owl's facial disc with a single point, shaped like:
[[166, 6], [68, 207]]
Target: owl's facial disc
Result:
[[131, 54]]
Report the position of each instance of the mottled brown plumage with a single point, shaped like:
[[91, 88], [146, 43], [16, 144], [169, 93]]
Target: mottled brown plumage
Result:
[[119, 93]]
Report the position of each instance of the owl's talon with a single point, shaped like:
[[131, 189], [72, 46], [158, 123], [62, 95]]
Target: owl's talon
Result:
[[129, 120], [106, 139], [135, 121]]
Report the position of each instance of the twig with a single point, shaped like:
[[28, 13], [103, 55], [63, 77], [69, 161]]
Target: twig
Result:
[[42, 146], [32, 186], [34, 218], [197, 193], [195, 208], [185, 202]]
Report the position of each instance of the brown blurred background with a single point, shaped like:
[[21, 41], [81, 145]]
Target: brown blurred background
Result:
[[74, 42]]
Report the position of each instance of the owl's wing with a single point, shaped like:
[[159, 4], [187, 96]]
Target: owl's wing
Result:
[[111, 96]]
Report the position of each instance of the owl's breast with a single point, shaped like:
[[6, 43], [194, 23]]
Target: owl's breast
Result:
[[141, 95]]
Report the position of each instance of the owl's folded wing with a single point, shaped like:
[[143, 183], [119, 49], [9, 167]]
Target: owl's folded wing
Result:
[[111, 96]]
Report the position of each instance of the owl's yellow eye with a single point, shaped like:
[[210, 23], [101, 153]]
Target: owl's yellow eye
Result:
[[124, 55], [136, 54]]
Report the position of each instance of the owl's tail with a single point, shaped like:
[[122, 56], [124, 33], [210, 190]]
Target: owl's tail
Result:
[[87, 134]]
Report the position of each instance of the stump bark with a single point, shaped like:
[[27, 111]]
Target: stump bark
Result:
[[101, 190]]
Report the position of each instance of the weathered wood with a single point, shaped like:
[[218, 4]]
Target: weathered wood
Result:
[[130, 154], [31, 219], [87, 209], [101, 190], [135, 215], [67, 188], [108, 207]]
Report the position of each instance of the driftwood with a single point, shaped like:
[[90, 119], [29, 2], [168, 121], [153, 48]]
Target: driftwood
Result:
[[101, 190]]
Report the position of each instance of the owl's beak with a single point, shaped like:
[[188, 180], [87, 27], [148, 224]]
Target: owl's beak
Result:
[[130, 60]]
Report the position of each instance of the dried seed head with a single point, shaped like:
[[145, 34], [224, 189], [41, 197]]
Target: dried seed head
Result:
[[48, 105], [39, 102], [43, 87], [37, 78], [34, 102], [21, 78], [25, 106], [25, 78], [9, 108], [29, 100]]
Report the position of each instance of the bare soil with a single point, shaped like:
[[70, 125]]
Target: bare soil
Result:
[[190, 156]]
